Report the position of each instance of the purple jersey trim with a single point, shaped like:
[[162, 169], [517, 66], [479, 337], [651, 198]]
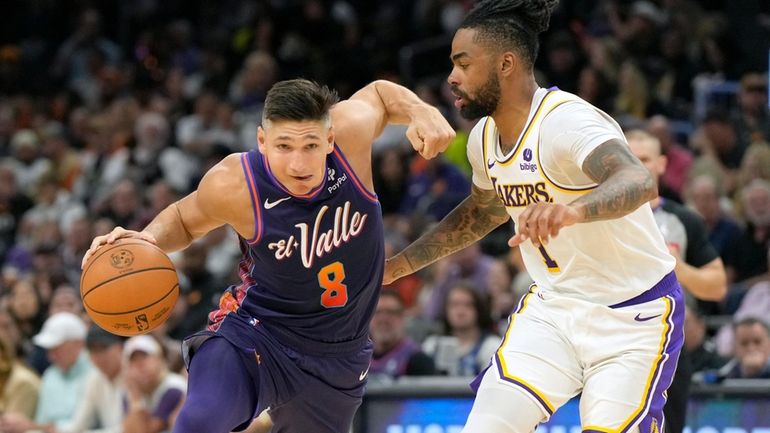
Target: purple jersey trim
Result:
[[255, 208], [356, 181], [665, 287]]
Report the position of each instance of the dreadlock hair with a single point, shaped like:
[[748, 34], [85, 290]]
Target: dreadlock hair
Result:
[[511, 24]]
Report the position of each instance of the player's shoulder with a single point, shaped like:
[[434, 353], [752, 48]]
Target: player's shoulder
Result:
[[563, 102], [482, 125], [224, 177]]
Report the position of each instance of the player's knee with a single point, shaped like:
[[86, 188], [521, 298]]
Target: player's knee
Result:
[[503, 409]]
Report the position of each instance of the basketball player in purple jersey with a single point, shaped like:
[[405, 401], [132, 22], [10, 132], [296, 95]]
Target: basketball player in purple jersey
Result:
[[292, 337]]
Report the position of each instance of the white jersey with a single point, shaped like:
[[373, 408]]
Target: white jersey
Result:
[[605, 262]]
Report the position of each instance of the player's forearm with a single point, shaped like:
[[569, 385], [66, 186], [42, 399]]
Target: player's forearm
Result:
[[400, 103], [619, 195], [708, 283], [169, 230], [466, 224]]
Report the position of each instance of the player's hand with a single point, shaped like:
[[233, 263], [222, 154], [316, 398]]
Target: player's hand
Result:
[[111, 237], [542, 221], [429, 132], [395, 268]]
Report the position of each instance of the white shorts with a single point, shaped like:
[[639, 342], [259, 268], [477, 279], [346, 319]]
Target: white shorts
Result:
[[622, 358]]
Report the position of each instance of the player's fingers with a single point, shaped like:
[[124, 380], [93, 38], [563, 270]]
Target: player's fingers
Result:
[[413, 136], [148, 237], [115, 234], [534, 223], [522, 225], [546, 221], [517, 239], [558, 221]]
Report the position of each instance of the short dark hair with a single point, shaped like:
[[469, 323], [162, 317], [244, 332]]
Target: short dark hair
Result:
[[298, 100], [751, 321], [511, 24]]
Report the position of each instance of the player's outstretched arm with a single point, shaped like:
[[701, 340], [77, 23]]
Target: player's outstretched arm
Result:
[[470, 221], [363, 117], [624, 183], [212, 205]]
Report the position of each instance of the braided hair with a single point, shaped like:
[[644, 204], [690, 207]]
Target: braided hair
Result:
[[511, 24]]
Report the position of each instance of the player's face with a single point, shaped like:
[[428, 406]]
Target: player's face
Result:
[[473, 80], [297, 152]]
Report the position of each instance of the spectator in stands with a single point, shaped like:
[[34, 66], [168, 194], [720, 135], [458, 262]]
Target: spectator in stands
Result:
[[154, 394], [391, 169], [395, 353], [65, 298], [467, 342], [100, 410], [502, 299], [63, 383], [752, 121], [752, 349], [19, 386], [468, 264], [434, 188], [678, 158], [753, 245], [702, 351], [704, 195], [26, 162]]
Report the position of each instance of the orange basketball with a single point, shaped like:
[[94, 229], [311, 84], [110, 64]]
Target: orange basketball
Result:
[[129, 287]]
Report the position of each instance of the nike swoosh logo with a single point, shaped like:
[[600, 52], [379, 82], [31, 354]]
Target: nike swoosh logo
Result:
[[639, 317], [270, 205], [490, 163], [363, 375]]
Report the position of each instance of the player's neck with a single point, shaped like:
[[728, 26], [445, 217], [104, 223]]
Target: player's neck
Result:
[[513, 110]]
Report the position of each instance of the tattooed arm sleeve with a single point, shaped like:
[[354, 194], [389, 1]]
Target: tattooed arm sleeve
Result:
[[624, 183], [470, 221]]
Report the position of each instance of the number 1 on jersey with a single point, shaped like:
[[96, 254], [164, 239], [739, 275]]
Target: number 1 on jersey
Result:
[[330, 279], [549, 262]]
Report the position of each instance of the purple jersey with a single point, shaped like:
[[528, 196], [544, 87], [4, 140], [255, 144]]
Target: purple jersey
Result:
[[312, 271]]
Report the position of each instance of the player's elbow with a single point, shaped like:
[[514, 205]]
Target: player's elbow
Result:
[[648, 185]]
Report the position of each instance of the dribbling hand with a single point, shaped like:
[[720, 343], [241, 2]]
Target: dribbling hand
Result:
[[542, 221], [111, 237], [429, 132]]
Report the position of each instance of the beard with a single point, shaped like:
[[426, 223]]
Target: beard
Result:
[[485, 102]]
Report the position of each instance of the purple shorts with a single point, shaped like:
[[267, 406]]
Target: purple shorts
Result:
[[301, 392]]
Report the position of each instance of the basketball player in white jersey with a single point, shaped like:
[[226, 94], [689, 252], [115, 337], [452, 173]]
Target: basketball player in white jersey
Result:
[[604, 316]]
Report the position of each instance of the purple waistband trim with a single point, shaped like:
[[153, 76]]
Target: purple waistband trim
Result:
[[664, 287]]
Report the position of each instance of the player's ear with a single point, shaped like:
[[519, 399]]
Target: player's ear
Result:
[[507, 63], [261, 140], [330, 139]]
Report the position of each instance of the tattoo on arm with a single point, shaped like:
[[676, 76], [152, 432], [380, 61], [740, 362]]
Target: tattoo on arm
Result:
[[470, 221], [624, 183]]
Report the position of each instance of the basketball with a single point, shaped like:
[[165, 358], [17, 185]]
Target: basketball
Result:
[[129, 287]]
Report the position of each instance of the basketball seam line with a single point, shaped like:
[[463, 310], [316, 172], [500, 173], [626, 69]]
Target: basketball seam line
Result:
[[93, 259], [138, 309], [121, 276]]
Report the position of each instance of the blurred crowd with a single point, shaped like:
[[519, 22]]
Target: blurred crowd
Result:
[[110, 111]]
